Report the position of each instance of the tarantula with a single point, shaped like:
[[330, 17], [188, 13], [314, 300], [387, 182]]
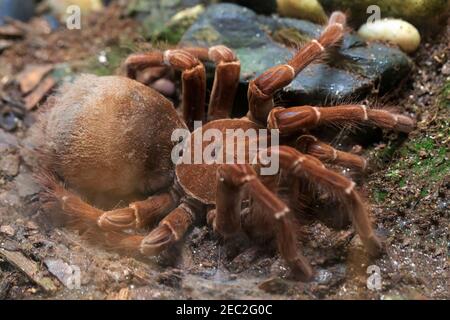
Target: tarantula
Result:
[[109, 138]]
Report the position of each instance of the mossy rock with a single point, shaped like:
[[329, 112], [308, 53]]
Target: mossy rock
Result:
[[418, 12], [166, 20]]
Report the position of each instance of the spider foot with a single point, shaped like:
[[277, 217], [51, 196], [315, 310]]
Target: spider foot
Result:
[[373, 245], [157, 241], [116, 220]]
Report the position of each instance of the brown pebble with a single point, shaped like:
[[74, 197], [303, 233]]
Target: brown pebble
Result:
[[8, 230], [164, 86]]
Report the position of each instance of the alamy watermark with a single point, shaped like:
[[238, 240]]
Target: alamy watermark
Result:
[[73, 19], [375, 13], [374, 280], [233, 146]]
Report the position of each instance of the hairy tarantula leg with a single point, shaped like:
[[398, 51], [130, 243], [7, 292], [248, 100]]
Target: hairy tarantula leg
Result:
[[227, 220], [55, 194], [231, 180], [170, 230], [262, 89], [295, 119], [139, 214], [311, 145], [226, 79], [337, 17], [311, 169], [193, 78]]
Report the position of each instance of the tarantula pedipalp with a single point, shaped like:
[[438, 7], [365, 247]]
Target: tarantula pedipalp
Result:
[[109, 138]]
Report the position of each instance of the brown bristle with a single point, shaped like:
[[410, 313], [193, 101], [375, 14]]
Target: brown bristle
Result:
[[71, 204], [127, 243]]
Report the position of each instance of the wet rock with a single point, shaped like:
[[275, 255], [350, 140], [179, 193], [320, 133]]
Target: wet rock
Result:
[[263, 7], [9, 165], [349, 74], [20, 10]]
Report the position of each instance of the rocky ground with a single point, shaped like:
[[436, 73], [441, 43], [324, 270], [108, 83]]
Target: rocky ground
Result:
[[407, 187]]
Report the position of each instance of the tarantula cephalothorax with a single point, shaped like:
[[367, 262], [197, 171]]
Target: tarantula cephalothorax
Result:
[[109, 139]]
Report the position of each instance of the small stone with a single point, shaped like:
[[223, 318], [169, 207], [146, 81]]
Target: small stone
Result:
[[9, 165], [8, 120], [61, 270], [323, 277], [446, 69], [5, 44], [274, 286], [8, 230], [10, 199], [395, 31], [7, 139], [26, 185], [164, 86], [31, 225]]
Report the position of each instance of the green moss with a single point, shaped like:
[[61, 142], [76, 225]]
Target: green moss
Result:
[[114, 57], [207, 35], [424, 160], [290, 37], [380, 196], [173, 30], [424, 192]]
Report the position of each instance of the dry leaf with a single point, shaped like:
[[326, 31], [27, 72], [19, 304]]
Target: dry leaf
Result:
[[30, 77], [38, 94]]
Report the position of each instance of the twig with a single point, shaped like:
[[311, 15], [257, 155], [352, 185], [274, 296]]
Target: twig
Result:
[[29, 268]]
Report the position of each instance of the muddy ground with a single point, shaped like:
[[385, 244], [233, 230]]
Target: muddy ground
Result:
[[408, 190]]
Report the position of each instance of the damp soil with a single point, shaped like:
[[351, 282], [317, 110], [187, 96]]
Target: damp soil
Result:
[[407, 188]]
